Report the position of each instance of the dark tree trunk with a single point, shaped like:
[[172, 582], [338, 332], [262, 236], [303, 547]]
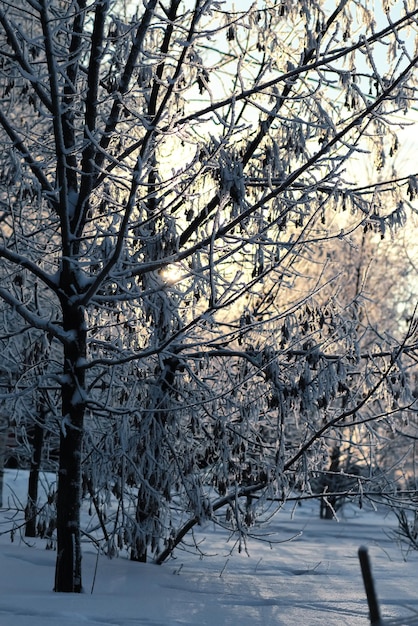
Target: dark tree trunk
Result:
[[147, 516], [139, 547], [328, 504], [68, 565], [4, 429], [31, 506], [155, 486]]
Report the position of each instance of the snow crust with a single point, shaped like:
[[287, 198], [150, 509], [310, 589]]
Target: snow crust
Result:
[[312, 580]]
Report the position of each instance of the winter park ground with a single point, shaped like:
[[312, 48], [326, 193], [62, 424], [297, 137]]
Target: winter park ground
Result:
[[311, 579]]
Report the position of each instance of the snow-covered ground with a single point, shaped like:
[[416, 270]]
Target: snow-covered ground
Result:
[[312, 579]]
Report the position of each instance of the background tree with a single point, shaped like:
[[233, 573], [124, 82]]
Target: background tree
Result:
[[168, 173]]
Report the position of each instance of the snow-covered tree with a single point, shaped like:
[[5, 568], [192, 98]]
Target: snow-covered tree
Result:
[[169, 172]]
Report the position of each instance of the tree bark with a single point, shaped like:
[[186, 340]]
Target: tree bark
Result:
[[328, 504], [3, 443], [69, 495], [31, 506]]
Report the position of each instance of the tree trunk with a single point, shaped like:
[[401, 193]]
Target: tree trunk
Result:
[[155, 485], [31, 506], [148, 505], [139, 545], [68, 565], [4, 429], [328, 504]]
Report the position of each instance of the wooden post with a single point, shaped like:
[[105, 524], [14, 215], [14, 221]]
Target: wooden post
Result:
[[374, 612]]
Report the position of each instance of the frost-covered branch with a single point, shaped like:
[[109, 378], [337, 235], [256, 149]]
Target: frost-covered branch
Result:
[[25, 153], [60, 147], [20, 261], [33, 319], [124, 82], [343, 53], [26, 69]]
